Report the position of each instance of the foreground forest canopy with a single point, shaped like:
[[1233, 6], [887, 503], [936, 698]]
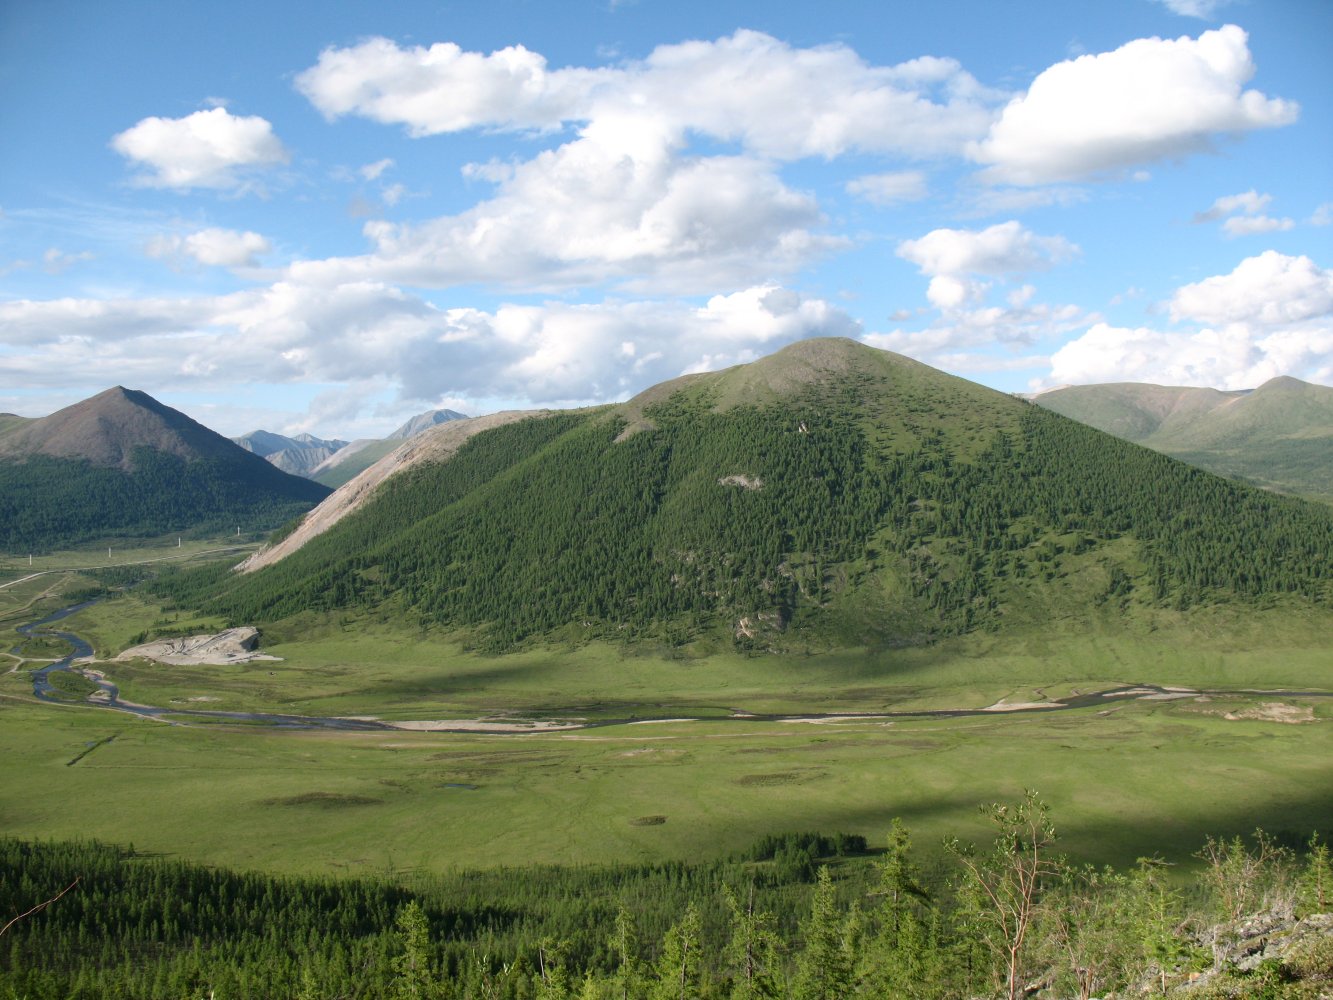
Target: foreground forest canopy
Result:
[[831, 491], [805, 917]]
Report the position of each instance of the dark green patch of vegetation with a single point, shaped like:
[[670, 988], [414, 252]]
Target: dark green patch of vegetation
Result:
[[48, 503], [44, 647], [997, 918], [324, 800], [70, 685], [815, 845]]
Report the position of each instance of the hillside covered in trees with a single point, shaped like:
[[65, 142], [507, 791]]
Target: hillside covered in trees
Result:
[[830, 493]]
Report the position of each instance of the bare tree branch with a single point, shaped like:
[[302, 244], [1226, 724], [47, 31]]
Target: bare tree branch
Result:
[[39, 907]]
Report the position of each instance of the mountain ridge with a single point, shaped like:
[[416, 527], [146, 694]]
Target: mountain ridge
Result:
[[1278, 435], [299, 454], [106, 428]]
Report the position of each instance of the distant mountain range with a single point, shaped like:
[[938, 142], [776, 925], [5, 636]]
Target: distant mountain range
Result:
[[828, 495], [334, 462], [122, 463], [1278, 436], [297, 455]]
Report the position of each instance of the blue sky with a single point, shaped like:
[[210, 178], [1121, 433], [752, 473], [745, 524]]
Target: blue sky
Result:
[[327, 218]]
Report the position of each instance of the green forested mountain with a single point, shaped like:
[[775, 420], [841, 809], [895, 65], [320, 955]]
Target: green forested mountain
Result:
[[830, 493], [121, 463], [1279, 436]]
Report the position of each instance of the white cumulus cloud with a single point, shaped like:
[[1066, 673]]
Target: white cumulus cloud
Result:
[[207, 149], [1269, 290], [441, 88], [1243, 214], [957, 261], [1149, 100], [616, 204], [1272, 315], [368, 335], [748, 87], [1005, 248], [213, 247], [1250, 225]]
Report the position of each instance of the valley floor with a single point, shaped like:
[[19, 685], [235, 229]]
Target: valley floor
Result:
[[738, 747]]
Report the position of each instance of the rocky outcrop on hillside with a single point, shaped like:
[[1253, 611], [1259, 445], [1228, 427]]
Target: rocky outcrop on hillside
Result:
[[234, 645]]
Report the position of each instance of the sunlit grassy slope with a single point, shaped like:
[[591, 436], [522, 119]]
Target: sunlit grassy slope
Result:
[[1279, 436]]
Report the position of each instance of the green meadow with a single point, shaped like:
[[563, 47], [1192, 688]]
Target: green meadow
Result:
[[1130, 779], [1140, 779]]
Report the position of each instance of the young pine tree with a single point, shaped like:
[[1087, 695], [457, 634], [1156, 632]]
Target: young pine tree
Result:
[[680, 966], [753, 953], [824, 967], [628, 981], [411, 968], [903, 958], [1316, 880]]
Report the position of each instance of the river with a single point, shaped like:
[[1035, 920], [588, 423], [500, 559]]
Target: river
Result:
[[108, 697]]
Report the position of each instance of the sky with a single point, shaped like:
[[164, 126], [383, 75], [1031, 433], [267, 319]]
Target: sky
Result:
[[326, 218]]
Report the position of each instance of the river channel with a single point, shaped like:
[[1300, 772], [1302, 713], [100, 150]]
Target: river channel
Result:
[[108, 697]]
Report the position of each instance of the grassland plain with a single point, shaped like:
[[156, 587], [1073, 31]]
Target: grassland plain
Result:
[[1142, 779], [165, 549], [345, 665], [1136, 779]]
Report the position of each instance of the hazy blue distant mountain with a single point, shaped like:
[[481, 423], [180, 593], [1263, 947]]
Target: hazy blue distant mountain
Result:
[[298, 455], [425, 421], [360, 455], [122, 463]]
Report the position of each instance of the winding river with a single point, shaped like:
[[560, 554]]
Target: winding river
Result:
[[108, 697], [108, 694]]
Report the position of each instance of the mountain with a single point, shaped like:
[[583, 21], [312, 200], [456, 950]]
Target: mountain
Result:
[[424, 422], [355, 458], [830, 494], [121, 463], [1279, 436], [334, 462], [299, 455]]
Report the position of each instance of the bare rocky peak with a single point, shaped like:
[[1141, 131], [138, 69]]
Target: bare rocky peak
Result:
[[105, 430], [424, 422]]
